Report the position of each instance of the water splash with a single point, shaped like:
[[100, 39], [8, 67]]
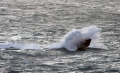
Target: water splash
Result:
[[72, 38], [69, 41]]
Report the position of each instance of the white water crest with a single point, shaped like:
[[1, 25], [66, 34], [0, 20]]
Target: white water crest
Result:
[[72, 38]]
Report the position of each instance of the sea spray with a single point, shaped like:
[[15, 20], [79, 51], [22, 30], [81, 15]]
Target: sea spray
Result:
[[72, 38]]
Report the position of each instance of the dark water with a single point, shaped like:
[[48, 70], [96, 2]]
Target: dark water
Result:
[[47, 21]]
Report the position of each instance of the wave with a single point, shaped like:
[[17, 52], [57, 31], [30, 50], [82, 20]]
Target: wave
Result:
[[75, 36]]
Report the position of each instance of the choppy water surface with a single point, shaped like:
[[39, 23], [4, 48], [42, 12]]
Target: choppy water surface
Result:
[[32, 22]]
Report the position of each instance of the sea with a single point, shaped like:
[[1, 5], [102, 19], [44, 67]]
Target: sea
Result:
[[31, 32]]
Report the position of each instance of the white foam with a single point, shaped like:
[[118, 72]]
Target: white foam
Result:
[[72, 38], [19, 46]]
